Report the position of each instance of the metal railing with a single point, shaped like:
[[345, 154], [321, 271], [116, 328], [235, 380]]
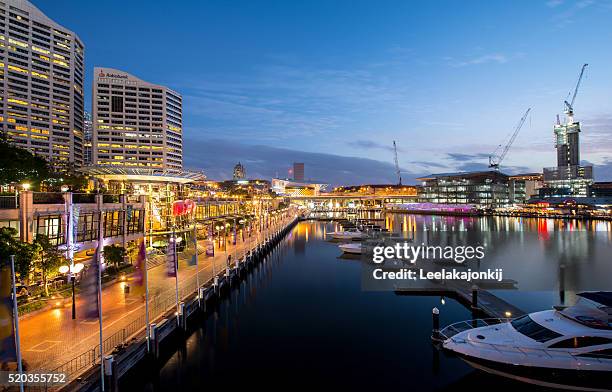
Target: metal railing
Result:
[[452, 329]]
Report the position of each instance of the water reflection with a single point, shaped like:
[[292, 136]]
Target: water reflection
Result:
[[302, 318]]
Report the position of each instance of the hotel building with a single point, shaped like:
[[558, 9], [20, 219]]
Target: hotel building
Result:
[[41, 73], [135, 123]]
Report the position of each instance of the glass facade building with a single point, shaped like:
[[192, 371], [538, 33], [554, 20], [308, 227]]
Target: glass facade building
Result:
[[488, 189]]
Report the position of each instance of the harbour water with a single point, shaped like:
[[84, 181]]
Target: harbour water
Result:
[[302, 318]]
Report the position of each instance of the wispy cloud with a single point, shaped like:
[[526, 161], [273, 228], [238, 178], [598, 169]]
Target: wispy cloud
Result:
[[291, 101], [568, 12], [218, 157], [459, 157], [498, 58], [372, 145]]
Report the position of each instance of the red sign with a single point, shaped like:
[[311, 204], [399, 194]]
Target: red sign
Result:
[[183, 207]]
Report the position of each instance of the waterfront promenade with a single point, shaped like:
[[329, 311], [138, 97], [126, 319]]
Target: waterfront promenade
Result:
[[50, 339]]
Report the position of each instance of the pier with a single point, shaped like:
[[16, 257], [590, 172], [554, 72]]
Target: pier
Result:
[[138, 349]]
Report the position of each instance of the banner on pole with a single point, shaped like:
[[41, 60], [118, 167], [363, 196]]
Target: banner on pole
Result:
[[140, 279], [171, 259], [210, 247], [75, 222], [8, 350], [90, 287]]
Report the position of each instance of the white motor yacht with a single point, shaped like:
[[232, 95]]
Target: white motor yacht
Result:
[[352, 248], [568, 348], [348, 234]]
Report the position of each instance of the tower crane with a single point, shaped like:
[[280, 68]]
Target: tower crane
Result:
[[397, 169], [569, 106], [496, 159]]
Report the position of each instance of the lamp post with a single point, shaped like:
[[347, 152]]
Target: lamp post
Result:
[[72, 270]]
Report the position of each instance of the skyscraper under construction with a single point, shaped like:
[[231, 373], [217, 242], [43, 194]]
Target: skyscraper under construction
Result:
[[568, 178]]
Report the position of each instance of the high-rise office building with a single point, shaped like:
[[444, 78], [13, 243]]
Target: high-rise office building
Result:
[[298, 171], [41, 68], [567, 144], [135, 123], [87, 139]]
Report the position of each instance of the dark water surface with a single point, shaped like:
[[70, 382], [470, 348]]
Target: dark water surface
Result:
[[301, 319]]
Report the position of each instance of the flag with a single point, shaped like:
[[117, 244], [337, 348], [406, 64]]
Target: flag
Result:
[[8, 350], [171, 258], [90, 287], [234, 236], [75, 222], [140, 276], [210, 244]]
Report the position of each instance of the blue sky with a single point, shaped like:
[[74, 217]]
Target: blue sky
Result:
[[325, 81]]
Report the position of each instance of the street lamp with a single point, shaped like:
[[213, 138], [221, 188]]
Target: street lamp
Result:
[[25, 186], [72, 270]]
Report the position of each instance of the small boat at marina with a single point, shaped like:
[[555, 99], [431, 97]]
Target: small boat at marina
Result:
[[352, 248], [348, 234], [567, 347]]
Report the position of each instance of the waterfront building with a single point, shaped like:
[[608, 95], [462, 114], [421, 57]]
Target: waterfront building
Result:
[[298, 171], [239, 172], [49, 213], [41, 66], [136, 123], [564, 181], [87, 139], [601, 189], [486, 189], [287, 187], [522, 187], [376, 189], [244, 186]]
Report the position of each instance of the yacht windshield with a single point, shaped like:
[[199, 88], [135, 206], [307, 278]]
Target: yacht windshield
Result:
[[533, 330]]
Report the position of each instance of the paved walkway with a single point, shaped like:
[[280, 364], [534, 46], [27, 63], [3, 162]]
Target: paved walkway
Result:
[[51, 338]]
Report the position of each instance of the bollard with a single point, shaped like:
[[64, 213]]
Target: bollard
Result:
[[474, 297], [109, 377], [182, 316], [435, 319], [202, 298], [154, 344]]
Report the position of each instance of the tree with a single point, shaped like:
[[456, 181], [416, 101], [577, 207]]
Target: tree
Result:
[[24, 252], [20, 165], [114, 254], [49, 258]]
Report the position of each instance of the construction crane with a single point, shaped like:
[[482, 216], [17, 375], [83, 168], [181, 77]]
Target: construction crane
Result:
[[569, 106], [496, 159], [397, 169]]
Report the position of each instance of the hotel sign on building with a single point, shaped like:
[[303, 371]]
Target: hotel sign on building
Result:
[[136, 123]]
